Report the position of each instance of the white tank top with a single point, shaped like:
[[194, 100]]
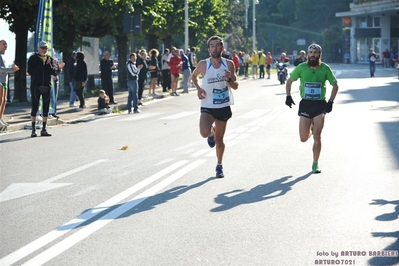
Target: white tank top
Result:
[[218, 93]]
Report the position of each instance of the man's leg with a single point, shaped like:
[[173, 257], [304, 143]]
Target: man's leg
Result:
[[205, 124], [72, 95], [3, 100], [220, 129], [304, 128], [318, 123]]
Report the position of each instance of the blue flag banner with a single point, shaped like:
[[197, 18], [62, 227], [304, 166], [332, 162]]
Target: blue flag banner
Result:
[[44, 24]]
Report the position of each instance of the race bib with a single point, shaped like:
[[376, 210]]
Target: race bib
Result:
[[312, 90], [220, 96]]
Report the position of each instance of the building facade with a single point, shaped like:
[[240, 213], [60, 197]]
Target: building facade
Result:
[[373, 24]]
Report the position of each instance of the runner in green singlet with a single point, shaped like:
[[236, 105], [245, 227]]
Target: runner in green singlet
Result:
[[313, 75]]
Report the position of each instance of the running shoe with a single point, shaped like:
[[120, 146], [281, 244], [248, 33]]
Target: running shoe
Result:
[[219, 171], [211, 139], [315, 168]]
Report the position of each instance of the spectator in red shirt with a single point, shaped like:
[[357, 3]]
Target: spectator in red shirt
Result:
[[236, 61], [175, 64], [387, 57]]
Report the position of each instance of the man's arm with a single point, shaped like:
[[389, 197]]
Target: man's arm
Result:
[[288, 86], [231, 77], [334, 92], [200, 69]]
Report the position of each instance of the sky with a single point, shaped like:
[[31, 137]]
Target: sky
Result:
[[9, 37]]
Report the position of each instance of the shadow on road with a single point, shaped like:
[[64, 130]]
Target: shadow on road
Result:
[[386, 92], [138, 205], [261, 192], [392, 216]]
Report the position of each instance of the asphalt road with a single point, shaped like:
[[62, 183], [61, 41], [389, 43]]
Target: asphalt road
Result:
[[77, 198]]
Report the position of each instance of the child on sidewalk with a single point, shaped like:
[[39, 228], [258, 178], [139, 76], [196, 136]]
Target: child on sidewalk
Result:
[[103, 100]]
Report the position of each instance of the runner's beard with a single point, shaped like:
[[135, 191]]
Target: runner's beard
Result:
[[218, 55], [314, 61]]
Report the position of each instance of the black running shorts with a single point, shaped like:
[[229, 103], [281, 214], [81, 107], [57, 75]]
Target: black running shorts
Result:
[[311, 108], [221, 114]]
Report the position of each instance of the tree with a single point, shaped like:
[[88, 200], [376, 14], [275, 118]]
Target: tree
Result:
[[21, 19], [71, 24]]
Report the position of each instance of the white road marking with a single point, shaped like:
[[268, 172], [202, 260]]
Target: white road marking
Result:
[[76, 170], [18, 190], [61, 230], [255, 113], [178, 115], [72, 240], [200, 152], [140, 116]]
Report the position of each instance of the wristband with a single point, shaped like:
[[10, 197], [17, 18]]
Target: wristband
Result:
[[229, 80]]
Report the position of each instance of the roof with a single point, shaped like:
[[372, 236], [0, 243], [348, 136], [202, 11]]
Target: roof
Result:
[[379, 7]]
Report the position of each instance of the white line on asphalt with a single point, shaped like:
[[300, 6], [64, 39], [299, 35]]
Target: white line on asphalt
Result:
[[178, 115], [140, 116], [75, 238], [73, 171], [61, 230], [255, 113]]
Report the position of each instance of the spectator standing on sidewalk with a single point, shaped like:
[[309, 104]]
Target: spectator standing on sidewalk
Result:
[[175, 64], [262, 63], [165, 71], [254, 64], [241, 60], [269, 60], [236, 61], [41, 67], [132, 85], [301, 58], [247, 60], [106, 67], [192, 59], [372, 58], [186, 70], [71, 71], [154, 70], [387, 58], [4, 70], [80, 78], [142, 60]]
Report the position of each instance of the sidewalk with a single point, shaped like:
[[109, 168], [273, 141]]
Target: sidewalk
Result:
[[17, 115]]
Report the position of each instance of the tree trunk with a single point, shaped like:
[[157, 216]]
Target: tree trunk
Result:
[[167, 42], [66, 49], [121, 43], [21, 37], [152, 41]]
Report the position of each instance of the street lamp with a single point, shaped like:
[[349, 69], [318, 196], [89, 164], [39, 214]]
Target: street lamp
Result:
[[256, 2]]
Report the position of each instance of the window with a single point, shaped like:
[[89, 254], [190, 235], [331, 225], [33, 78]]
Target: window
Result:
[[376, 21], [368, 22], [394, 22], [363, 48]]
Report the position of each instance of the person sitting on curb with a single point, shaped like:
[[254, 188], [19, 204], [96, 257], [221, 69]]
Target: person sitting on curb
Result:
[[103, 100]]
